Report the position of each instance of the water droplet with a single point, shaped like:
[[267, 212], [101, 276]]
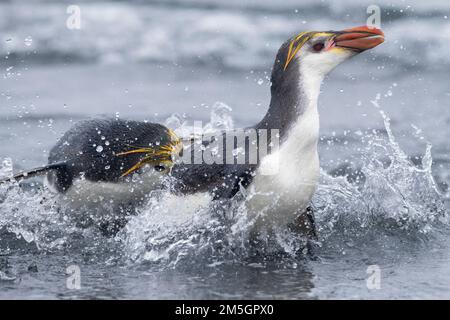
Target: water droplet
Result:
[[107, 167], [99, 149], [106, 143], [28, 41], [260, 81], [103, 137]]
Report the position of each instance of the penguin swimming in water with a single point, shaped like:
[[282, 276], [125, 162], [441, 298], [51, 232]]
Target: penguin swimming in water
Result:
[[111, 152]]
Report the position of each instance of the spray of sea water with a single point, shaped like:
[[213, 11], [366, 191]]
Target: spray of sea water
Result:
[[385, 203]]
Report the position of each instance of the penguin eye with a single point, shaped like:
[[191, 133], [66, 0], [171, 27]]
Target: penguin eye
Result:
[[159, 168], [318, 47]]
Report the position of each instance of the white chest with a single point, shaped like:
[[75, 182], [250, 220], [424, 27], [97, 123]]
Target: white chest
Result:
[[287, 179]]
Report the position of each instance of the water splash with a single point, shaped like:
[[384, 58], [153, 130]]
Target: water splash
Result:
[[394, 198], [33, 220], [30, 216], [220, 118]]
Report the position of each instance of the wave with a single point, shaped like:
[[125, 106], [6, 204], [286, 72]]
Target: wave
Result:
[[232, 35]]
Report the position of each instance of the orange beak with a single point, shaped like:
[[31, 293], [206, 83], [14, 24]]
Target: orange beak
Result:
[[359, 38]]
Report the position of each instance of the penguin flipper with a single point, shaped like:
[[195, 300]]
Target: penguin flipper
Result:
[[58, 167]]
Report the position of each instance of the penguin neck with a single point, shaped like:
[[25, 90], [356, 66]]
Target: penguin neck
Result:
[[294, 102], [292, 171]]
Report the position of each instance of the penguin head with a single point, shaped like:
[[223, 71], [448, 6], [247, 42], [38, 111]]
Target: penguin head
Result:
[[319, 52]]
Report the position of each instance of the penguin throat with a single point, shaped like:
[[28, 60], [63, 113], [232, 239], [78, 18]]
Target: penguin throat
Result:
[[303, 126], [310, 88], [303, 133]]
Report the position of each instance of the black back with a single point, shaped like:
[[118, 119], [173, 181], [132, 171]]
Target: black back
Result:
[[91, 149]]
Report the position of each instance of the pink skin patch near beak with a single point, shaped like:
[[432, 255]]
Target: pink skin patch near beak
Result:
[[330, 44]]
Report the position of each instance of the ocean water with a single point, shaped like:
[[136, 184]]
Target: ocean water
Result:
[[383, 201]]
